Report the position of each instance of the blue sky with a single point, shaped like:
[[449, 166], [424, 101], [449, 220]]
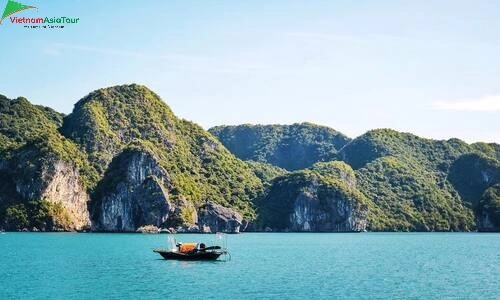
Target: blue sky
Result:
[[427, 67]]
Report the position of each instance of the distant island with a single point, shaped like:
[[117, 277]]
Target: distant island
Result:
[[123, 162]]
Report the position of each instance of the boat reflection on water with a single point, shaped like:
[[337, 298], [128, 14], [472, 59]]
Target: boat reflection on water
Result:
[[195, 251]]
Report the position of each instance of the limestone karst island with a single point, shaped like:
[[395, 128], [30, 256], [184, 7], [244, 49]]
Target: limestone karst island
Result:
[[122, 162]]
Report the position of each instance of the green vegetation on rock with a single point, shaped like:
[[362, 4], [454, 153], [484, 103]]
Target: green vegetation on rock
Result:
[[383, 180], [489, 149], [414, 180], [30, 143], [410, 199], [308, 191], [471, 174], [41, 215], [266, 172], [21, 121], [108, 121], [291, 147], [489, 207], [431, 154], [336, 169], [412, 183]]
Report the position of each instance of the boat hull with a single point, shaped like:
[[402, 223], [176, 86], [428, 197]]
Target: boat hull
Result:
[[200, 255]]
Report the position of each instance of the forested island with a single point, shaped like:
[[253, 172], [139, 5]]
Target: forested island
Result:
[[122, 161]]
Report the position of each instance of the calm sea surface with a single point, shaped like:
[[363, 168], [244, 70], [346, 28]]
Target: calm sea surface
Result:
[[263, 266]]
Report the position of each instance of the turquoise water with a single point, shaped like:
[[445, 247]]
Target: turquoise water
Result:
[[263, 266]]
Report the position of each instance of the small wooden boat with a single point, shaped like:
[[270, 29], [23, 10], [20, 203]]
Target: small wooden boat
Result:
[[209, 253], [193, 251]]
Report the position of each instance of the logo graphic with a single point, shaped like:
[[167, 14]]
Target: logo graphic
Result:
[[13, 7]]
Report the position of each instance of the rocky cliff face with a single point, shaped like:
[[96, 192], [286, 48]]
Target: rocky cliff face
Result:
[[476, 178], [136, 192], [486, 222], [216, 218], [66, 188], [133, 193], [44, 179], [471, 174], [308, 201], [333, 213], [489, 210], [55, 181]]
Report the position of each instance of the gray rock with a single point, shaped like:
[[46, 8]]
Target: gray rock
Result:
[[307, 202], [334, 213], [213, 217], [55, 181], [188, 229], [148, 229], [140, 197], [165, 230], [206, 229]]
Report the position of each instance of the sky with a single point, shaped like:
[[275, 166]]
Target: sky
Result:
[[431, 68]]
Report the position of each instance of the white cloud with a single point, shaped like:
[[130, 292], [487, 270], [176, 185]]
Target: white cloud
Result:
[[487, 103]]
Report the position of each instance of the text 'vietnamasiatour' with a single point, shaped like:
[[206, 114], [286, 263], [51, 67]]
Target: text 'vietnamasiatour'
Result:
[[59, 20]]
